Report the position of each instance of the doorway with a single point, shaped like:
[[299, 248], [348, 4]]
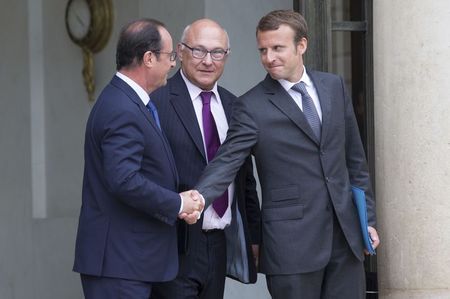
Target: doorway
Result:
[[341, 42]]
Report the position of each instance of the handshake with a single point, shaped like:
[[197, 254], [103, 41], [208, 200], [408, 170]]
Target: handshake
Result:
[[193, 204]]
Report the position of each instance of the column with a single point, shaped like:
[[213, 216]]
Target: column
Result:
[[412, 137]]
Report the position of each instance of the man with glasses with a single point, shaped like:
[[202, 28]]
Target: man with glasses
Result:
[[194, 113], [126, 236]]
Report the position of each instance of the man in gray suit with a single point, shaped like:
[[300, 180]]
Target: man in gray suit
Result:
[[300, 126]]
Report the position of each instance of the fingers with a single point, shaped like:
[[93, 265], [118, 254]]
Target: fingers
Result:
[[192, 201], [193, 205], [195, 195], [190, 218], [374, 237], [373, 234]]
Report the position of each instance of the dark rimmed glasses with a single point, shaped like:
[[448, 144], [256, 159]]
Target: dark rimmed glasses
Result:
[[200, 53], [172, 55]]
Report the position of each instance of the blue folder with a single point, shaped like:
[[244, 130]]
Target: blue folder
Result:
[[359, 198]]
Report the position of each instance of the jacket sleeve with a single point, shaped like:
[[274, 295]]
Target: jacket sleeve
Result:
[[252, 207], [242, 135]]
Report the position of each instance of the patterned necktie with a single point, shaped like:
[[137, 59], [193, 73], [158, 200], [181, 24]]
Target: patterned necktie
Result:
[[309, 109], [152, 108], [212, 143]]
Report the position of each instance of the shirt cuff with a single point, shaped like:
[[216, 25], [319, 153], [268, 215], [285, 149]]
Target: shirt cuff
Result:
[[181, 205]]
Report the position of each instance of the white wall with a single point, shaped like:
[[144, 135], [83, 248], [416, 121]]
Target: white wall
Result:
[[15, 188]]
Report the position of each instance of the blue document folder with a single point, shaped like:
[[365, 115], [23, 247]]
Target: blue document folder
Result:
[[359, 198]]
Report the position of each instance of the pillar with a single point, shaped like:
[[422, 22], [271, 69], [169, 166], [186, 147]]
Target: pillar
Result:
[[412, 137]]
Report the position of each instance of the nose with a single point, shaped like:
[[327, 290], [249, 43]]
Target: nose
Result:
[[207, 59], [270, 56]]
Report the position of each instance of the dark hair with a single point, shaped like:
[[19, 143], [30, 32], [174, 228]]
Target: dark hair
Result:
[[136, 38], [274, 19]]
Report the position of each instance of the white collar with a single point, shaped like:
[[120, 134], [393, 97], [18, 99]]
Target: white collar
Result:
[[305, 78], [143, 95], [194, 91]]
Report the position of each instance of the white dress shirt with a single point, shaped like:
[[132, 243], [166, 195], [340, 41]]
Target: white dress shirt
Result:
[[210, 218], [298, 97]]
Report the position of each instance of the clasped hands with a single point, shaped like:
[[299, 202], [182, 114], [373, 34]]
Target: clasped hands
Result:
[[193, 204]]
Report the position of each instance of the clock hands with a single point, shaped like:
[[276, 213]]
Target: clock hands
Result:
[[80, 20]]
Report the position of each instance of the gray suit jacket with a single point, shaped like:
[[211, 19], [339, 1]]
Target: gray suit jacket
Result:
[[302, 179]]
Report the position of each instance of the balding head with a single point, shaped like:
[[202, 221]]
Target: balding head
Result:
[[135, 39], [208, 24], [203, 52], [144, 53]]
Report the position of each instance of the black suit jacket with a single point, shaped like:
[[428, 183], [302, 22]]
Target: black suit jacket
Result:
[[303, 180], [180, 125]]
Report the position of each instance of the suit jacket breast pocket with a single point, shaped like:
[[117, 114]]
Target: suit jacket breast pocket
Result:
[[291, 212]]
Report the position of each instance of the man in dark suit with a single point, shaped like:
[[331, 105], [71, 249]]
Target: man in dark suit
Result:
[[301, 129], [126, 236], [205, 246]]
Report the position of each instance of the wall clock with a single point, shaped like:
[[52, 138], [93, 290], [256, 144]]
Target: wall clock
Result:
[[89, 25]]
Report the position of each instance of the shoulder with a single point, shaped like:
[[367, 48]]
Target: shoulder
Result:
[[175, 85], [115, 105], [263, 87], [324, 76], [160, 95], [226, 93]]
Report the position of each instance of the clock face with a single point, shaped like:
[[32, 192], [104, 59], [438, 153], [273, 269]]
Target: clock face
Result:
[[78, 18]]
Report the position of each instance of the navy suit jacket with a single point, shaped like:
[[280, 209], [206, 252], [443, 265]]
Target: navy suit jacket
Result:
[[180, 124], [304, 181], [129, 200]]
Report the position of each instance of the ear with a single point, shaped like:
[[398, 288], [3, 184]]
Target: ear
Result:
[[148, 59], [302, 45]]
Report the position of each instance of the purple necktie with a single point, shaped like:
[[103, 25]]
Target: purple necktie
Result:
[[212, 143]]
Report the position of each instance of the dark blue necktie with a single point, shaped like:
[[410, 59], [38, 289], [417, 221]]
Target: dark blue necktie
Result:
[[152, 108], [309, 109], [212, 143]]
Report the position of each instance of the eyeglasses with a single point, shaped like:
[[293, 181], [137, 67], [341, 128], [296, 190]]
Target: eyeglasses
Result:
[[216, 54], [172, 57]]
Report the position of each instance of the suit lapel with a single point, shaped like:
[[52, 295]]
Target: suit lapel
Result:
[[132, 95], [226, 103], [182, 104], [325, 102], [284, 102], [116, 81]]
